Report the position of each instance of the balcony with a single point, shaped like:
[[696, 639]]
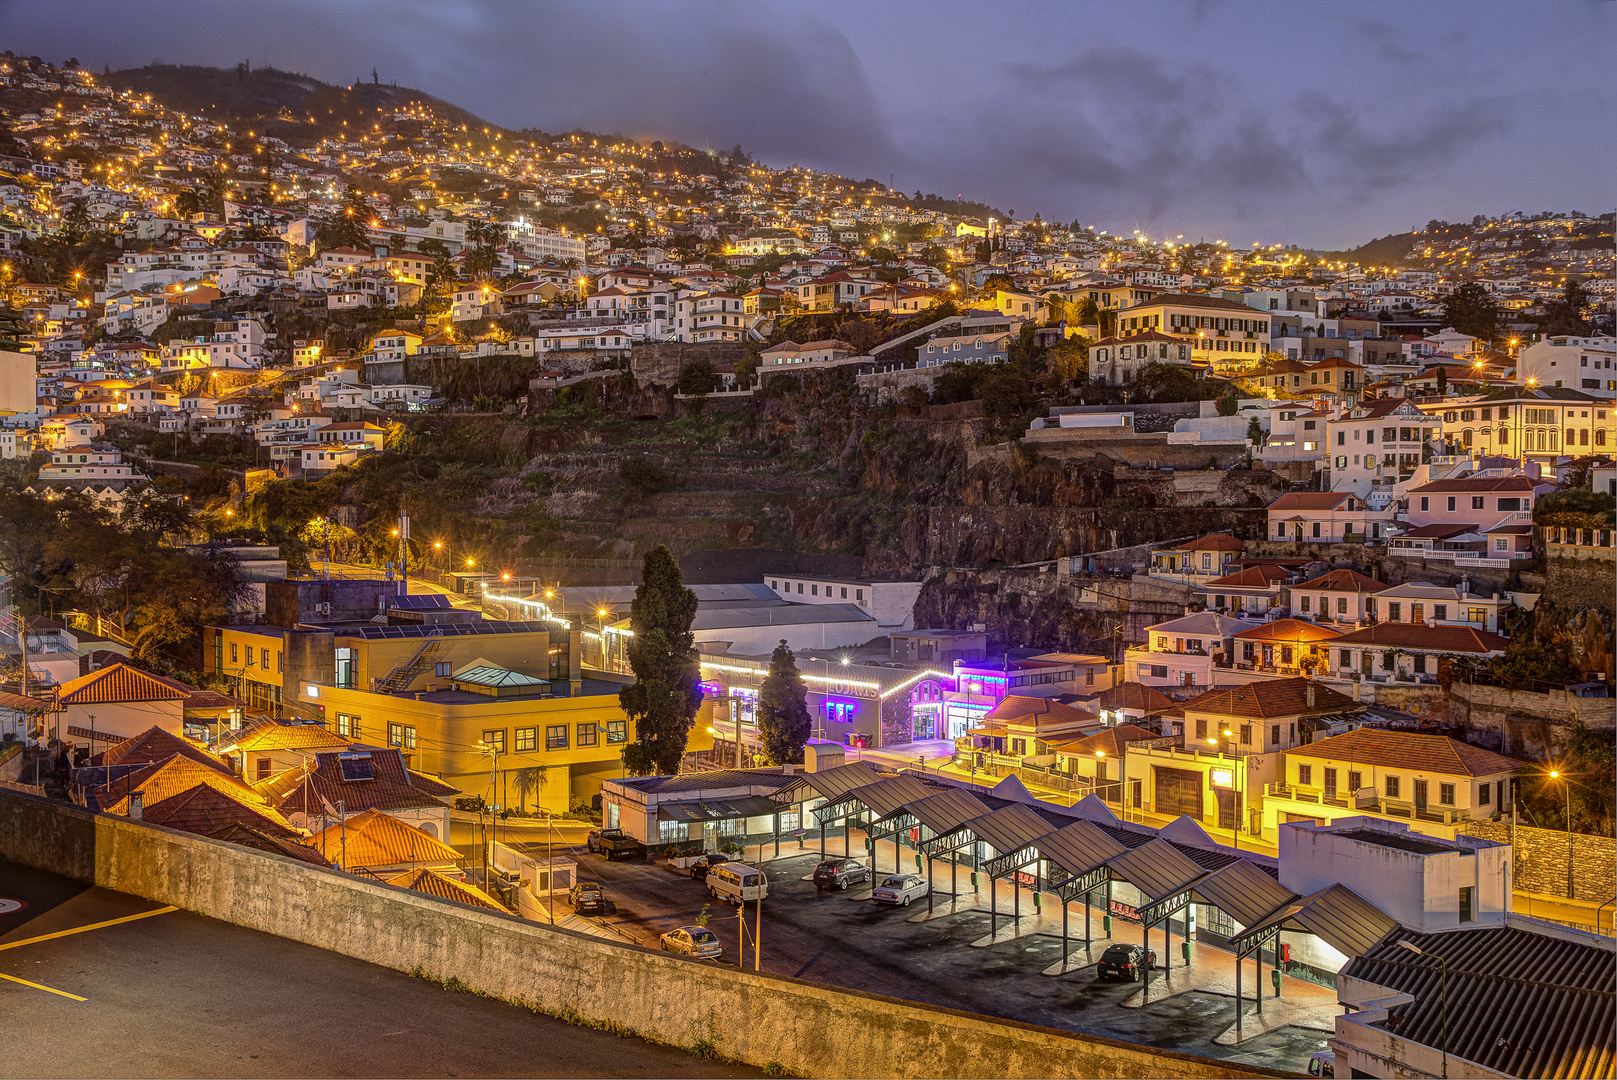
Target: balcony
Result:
[[1317, 796]]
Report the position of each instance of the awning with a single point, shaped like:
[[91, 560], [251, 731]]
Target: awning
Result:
[[718, 809], [1336, 914]]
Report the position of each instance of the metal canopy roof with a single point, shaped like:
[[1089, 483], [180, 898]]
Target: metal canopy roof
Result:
[[834, 784], [1157, 869], [1080, 847], [947, 810], [1244, 893], [744, 806], [887, 797], [1336, 914], [1010, 829]]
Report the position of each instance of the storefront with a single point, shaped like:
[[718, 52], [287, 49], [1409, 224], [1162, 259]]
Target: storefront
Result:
[[926, 711]]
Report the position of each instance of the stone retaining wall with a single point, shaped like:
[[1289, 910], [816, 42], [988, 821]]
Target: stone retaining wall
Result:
[[1539, 857]]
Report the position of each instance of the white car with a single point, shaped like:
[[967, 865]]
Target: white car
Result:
[[900, 889], [697, 941]]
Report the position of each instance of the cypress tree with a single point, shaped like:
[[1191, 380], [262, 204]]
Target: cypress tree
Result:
[[664, 698], [783, 716]]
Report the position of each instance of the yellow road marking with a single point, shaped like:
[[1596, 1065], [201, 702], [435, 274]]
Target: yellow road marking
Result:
[[82, 929], [37, 986]]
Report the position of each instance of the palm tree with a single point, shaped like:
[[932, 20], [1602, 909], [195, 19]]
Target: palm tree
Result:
[[530, 781]]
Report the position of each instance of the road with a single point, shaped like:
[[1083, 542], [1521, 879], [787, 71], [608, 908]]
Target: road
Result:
[[172, 993]]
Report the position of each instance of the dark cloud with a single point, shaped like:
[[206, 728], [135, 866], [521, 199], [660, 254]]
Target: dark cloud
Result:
[[1240, 119]]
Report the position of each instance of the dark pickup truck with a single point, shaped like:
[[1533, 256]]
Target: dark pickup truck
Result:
[[614, 842]]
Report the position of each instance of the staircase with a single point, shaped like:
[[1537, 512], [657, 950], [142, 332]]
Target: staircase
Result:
[[404, 674]]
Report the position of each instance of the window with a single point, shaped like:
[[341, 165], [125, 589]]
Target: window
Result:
[[775, 585], [859, 595], [1201, 730], [261, 769], [1392, 787], [495, 740], [1484, 794], [1445, 794], [617, 731], [1347, 658], [348, 726], [1510, 504], [1420, 663], [234, 653], [1476, 615], [1305, 775], [263, 659], [1395, 611], [1417, 614], [527, 740], [556, 737], [401, 735], [844, 595], [1274, 734], [1440, 612], [249, 656], [1355, 782], [1467, 904], [1341, 605], [814, 590], [1451, 504], [1425, 503], [800, 588], [345, 667], [441, 669], [587, 734], [1246, 734], [1305, 603]]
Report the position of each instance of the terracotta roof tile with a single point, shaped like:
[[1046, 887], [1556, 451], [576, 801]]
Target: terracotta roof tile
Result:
[[372, 838], [1288, 630], [445, 888], [1455, 639], [1136, 697], [1410, 750], [1212, 542], [319, 783], [247, 836], [119, 682], [1343, 580], [204, 809], [1271, 697]]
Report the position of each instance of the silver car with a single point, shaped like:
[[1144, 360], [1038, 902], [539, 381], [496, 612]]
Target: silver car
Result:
[[697, 941], [900, 889]]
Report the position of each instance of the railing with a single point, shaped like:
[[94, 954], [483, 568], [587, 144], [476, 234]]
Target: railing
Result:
[[1317, 796]]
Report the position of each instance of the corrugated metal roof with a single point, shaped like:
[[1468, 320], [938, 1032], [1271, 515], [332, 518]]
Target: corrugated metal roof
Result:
[[891, 795], [948, 810], [1010, 829], [717, 809], [1157, 869], [1244, 893], [835, 784], [1080, 847], [1519, 1003], [1339, 916]]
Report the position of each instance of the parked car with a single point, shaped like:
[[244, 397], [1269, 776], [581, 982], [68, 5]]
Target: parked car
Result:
[[588, 898], [697, 941], [840, 873], [900, 889], [612, 843], [699, 869], [1130, 962], [1322, 1063], [737, 883]]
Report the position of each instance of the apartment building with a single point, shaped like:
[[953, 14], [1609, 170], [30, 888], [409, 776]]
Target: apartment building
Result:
[[1577, 363], [1373, 446], [1217, 331]]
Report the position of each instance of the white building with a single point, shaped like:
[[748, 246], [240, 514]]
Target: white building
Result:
[[890, 603], [1577, 363]]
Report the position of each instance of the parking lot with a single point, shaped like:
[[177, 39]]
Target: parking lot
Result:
[[840, 939], [98, 983]]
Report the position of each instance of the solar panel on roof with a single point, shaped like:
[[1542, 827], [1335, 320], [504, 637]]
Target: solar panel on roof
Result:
[[356, 766]]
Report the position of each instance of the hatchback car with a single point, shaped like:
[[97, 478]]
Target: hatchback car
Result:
[[1128, 962], [840, 873], [900, 889], [708, 861], [697, 941], [588, 898]]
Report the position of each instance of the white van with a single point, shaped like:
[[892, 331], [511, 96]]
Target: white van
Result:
[[737, 883]]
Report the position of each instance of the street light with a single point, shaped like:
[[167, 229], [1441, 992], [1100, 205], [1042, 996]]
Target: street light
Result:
[[1566, 786], [1443, 965]]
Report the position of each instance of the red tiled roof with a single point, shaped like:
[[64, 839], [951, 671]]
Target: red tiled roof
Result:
[[1263, 576], [1287, 630], [1410, 751], [1038, 712], [155, 745], [1112, 741], [119, 682], [444, 887], [1343, 580], [1269, 698], [1486, 483], [1424, 636], [247, 836], [1133, 696], [1310, 500], [1212, 542], [392, 787], [205, 810]]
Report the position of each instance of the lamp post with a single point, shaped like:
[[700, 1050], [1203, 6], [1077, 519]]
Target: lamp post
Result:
[[1444, 968], [1566, 786]]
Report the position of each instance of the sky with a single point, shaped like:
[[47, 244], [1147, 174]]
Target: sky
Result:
[[1323, 125]]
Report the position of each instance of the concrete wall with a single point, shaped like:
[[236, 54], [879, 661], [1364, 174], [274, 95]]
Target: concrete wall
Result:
[[1523, 723], [811, 1030]]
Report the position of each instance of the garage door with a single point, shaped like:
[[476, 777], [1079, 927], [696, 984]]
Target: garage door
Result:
[[1179, 791]]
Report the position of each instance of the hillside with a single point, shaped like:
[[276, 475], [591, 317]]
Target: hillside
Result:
[[295, 108], [1390, 250]]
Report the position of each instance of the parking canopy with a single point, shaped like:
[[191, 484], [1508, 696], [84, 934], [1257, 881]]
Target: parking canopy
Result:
[[1006, 829], [1078, 850], [832, 785], [947, 810], [883, 799], [1335, 914], [1157, 869], [1244, 893]]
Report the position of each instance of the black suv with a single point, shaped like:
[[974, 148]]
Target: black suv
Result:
[[588, 898], [840, 873], [708, 861], [1129, 962]]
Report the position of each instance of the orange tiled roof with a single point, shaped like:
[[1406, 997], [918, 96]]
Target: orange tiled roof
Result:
[[1288, 630], [373, 838], [205, 809], [1270, 698], [1400, 635], [119, 682], [1134, 696], [267, 735], [1410, 750], [445, 888], [1343, 580]]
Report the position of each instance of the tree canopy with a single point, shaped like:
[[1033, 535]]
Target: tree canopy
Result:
[[665, 695], [783, 716], [1471, 310]]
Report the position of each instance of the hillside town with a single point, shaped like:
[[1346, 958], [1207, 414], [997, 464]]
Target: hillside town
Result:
[[1056, 585]]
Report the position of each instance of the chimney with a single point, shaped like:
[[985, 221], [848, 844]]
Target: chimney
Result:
[[136, 810], [1310, 693]]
